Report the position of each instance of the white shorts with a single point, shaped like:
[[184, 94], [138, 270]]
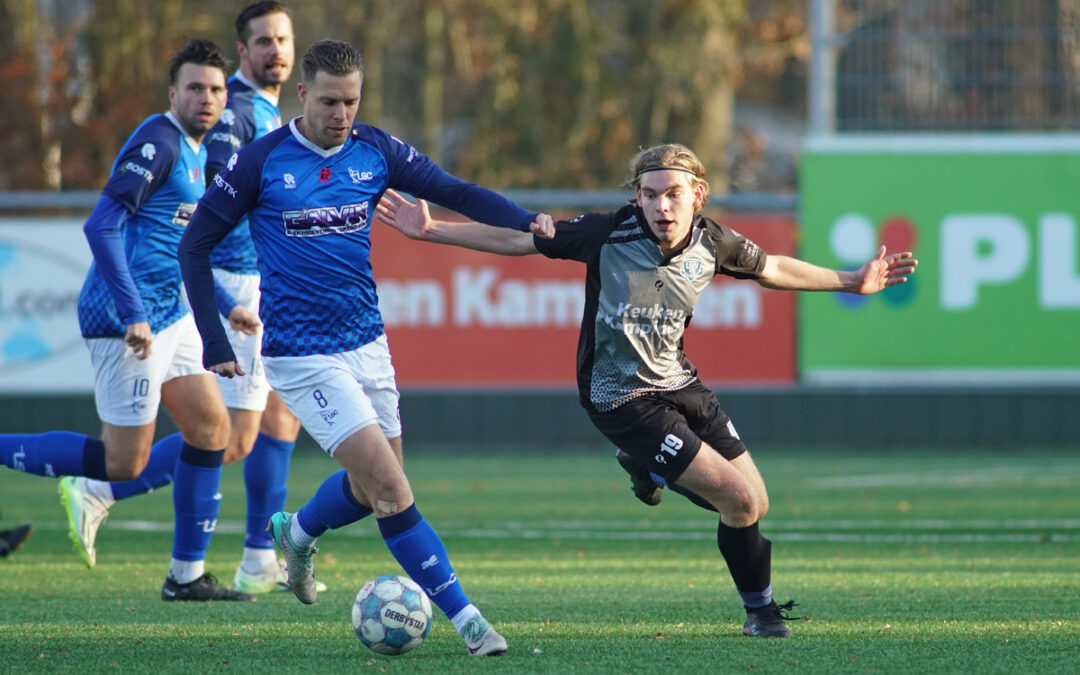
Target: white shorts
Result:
[[249, 391], [336, 395], [127, 391]]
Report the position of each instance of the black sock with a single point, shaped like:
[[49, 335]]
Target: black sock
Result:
[[749, 560]]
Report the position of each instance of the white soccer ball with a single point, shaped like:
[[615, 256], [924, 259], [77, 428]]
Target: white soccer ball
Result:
[[391, 615]]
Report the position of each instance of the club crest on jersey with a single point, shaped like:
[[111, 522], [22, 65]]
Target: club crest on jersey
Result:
[[692, 269], [360, 177], [148, 151], [232, 162], [324, 220], [290, 181], [324, 175], [193, 175]]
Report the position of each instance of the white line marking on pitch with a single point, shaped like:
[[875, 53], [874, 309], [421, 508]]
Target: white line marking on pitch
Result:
[[1052, 531]]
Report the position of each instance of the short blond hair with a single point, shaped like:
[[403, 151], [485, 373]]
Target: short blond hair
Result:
[[668, 156]]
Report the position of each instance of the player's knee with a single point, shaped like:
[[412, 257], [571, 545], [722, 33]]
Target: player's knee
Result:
[[212, 431], [237, 449], [762, 506], [278, 422], [388, 491], [742, 506], [125, 468]]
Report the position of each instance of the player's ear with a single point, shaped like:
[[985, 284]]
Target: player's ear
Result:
[[699, 195], [301, 91]]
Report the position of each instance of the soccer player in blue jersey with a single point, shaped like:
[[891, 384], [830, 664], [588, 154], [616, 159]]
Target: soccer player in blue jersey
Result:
[[309, 191], [265, 44], [647, 265], [141, 336]]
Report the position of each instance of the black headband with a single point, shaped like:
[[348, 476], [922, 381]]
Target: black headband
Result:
[[666, 168]]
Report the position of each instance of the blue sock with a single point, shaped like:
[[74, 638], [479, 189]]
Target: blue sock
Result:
[[421, 553], [196, 501], [158, 472], [333, 506], [54, 453], [265, 471]]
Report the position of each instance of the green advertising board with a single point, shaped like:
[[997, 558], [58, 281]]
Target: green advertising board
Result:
[[995, 225]]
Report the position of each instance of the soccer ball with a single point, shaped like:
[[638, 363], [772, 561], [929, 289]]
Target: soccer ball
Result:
[[391, 615]]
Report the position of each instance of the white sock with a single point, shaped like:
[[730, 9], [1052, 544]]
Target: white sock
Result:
[[464, 616], [257, 559], [300, 538], [100, 489], [186, 571]]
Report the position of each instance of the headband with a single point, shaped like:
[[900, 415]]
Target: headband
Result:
[[666, 168]]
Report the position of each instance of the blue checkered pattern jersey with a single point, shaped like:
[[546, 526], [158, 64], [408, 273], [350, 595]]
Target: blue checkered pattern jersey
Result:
[[250, 114], [310, 211], [155, 183]]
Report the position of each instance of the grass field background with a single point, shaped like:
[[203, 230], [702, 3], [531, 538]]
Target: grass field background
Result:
[[902, 562]]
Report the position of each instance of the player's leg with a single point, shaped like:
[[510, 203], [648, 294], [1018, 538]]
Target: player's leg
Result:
[[375, 471], [649, 487], [656, 432], [192, 397], [724, 473], [127, 393], [266, 470], [195, 403], [125, 396], [352, 412], [266, 456]]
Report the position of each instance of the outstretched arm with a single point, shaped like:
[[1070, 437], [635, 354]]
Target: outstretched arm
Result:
[[415, 222], [791, 274]]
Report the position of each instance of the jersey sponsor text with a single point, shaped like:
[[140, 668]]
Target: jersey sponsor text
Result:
[[324, 220]]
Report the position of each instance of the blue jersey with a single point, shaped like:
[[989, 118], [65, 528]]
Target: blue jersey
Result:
[[251, 113], [310, 211], [158, 178]]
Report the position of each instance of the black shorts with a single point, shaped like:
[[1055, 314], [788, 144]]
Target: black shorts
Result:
[[664, 430]]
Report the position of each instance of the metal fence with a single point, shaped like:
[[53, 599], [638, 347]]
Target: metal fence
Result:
[[945, 65]]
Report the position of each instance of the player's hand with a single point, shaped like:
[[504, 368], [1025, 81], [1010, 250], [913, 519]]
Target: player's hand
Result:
[[228, 369], [410, 219], [883, 271], [543, 226], [139, 337], [244, 320]]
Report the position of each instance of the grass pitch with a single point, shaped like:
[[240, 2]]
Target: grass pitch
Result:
[[920, 562]]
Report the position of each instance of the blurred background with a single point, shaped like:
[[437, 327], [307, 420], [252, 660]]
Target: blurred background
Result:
[[829, 127]]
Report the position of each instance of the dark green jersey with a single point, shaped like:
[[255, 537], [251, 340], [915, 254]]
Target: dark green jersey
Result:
[[638, 302]]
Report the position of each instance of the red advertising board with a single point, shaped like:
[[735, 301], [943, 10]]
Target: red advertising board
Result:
[[461, 319]]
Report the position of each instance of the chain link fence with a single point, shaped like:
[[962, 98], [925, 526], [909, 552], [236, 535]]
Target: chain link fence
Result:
[[945, 65]]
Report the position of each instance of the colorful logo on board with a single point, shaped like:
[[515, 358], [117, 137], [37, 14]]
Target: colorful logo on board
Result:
[[854, 239]]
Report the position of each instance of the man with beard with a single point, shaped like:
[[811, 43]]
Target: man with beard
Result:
[[262, 428]]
